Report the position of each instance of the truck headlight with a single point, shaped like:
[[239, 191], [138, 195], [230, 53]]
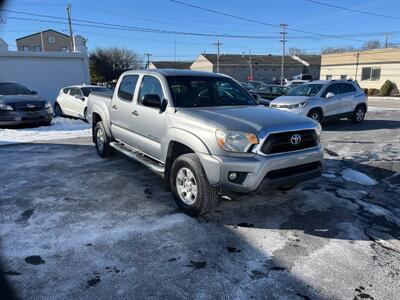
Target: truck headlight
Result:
[[235, 141], [318, 130], [5, 107], [47, 105], [300, 105]]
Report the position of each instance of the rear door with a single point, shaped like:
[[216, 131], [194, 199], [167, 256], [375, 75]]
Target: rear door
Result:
[[148, 128], [348, 97], [122, 108], [74, 101], [332, 106], [62, 100]]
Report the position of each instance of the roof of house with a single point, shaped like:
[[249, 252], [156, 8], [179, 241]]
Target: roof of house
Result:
[[42, 32], [261, 60], [172, 64]]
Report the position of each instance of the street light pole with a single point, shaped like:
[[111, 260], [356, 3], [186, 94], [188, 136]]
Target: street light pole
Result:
[[283, 41]]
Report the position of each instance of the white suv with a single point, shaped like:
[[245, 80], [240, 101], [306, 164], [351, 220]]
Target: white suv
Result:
[[321, 100], [72, 100]]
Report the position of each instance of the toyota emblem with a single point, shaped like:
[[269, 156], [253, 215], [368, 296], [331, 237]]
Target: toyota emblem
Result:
[[295, 139]]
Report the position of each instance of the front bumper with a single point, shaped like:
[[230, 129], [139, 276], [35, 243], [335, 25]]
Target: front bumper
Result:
[[303, 111], [265, 172], [16, 117]]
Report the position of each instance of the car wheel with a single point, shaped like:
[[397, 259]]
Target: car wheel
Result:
[[316, 115], [358, 115], [85, 115], [190, 188], [102, 141], [57, 110]]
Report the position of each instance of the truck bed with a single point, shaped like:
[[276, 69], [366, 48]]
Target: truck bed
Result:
[[106, 95]]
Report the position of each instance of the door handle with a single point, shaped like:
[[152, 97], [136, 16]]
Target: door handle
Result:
[[135, 113], [114, 107]]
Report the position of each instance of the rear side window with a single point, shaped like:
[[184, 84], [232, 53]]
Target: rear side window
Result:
[[75, 92], [348, 88], [127, 87], [151, 86], [66, 90]]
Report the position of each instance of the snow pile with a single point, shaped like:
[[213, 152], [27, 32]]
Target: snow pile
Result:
[[358, 177], [61, 128]]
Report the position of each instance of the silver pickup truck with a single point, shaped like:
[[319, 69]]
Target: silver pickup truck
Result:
[[205, 134]]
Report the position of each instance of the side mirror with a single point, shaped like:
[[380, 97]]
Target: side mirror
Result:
[[329, 95], [164, 105], [152, 100], [34, 92]]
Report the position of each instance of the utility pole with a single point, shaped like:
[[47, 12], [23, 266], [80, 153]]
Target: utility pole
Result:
[[70, 27], [148, 60], [358, 58], [251, 66], [387, 40], [218, 44], [283, 40]]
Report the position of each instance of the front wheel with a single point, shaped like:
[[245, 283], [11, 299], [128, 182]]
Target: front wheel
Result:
[[316, 115], [190, 188], [358, 115], [102, 141], [57, 110]]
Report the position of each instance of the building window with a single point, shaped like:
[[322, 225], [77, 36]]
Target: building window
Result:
[[328, 77], [26, 48], [37, 48], [343, 77], [369, 73]]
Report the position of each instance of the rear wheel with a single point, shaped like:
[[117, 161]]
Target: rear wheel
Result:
[[358, 115], [57, 110], [102, 141], [316, 115], [190, 188]]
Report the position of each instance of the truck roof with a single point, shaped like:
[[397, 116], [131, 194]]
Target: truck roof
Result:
[[176, 72]]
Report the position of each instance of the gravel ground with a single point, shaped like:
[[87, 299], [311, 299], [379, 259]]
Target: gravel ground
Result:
[[75, 226]]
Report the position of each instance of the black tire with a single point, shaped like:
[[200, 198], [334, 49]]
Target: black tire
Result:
[[57, 110], [315, 114], [358, 115], [207, 196], [85, 117], [286, 188], [103, 148], [47, 123]]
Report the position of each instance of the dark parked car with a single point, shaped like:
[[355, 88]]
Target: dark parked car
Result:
[[270, 92], [19, 105]]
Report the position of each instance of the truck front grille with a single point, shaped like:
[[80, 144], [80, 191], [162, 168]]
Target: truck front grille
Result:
[[282, 142]]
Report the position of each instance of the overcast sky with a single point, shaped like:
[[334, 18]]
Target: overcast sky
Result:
[[163, 14]]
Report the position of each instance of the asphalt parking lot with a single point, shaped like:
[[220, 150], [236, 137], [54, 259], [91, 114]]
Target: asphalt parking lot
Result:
[[76, 226]]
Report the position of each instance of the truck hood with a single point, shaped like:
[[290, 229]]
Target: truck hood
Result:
[[9, 99], [290, 100], [247, 118]]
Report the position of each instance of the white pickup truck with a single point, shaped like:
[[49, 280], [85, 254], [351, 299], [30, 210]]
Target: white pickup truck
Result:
[[205, 134]]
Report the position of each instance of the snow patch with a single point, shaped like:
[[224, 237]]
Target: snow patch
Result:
[[61, 128], [358, 177]]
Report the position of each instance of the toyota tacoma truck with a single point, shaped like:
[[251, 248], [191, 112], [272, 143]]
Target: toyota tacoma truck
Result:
[[205, 134]]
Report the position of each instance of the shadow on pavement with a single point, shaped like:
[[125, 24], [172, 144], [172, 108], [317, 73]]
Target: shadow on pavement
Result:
[[346, 125]]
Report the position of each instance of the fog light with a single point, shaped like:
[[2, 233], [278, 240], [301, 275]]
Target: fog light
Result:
[[232, 176]]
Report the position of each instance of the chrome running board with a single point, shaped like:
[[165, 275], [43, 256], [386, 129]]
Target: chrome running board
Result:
[[140, 157]]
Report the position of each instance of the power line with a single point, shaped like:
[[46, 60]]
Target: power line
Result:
[[353, 10]]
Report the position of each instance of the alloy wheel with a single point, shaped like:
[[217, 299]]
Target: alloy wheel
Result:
[[186, 186]]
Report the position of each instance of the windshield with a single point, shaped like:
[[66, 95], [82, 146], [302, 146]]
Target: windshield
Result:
[[9, 88], [306, 90], [87, 90], [197, 91]]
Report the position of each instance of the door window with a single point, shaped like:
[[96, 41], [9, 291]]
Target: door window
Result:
[[150, 86], [127, 87], [348, 88], [277, 90], [333, 88], [75, 92]]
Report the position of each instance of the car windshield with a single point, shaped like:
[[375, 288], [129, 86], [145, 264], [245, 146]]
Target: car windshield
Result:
[[306, 90], [9, 88], [87, 90], [198, 91]]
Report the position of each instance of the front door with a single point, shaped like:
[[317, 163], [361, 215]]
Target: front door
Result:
[[149, 125], [332, 105]]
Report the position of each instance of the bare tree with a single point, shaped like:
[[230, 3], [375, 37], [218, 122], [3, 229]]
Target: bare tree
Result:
[[107, 64], [329, 50], [296, 51], [372, 44]]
